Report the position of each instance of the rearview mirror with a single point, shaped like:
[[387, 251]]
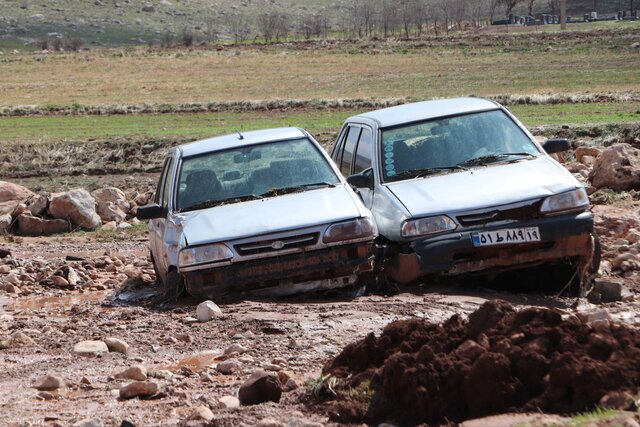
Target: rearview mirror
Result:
[[362, 180], [152, 211], [556, 145]]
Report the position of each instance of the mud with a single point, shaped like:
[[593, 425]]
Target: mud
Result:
[[498, 360]]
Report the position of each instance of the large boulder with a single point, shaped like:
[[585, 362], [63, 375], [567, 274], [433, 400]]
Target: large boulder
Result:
[[76, 206], [5, 223], [11, 195], [37, 204], [618, 168], [111, 204], [33, 226]]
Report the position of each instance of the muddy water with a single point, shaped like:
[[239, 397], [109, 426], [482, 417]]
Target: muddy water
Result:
[[196, 362], [51, 303]]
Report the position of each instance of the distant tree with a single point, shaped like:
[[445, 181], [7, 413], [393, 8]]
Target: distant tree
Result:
[[530, 4], [388, 17], [493, 5], [187, 37], [210, 29], [167, 39], [43, 42], [509, 5], [73, 44], [554, 6], [239, 27]]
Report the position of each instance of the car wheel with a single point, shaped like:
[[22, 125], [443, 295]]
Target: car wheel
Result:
[[172, 288], [159, 280]]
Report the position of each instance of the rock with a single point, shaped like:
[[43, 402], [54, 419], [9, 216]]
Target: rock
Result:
[[5, 223], [59, 281], [89, 422], [11, 195], [72, 276], [201, 413], [137, 372], [5, 269], [37, 204], [90, 348], [12, 279], [259, 388], [109, 212], [207, 311], [29, 225], [227, 367], [4, 253], [131, 271], [17, 339], [620, 259], [184, 338], [229, 402], [76, 206], [50, 382], [617, 168], [235, 349], [161, 374], [271, 367], [595, 318], [138, 389], [610, 291], [124, 225], [148, 8], [287, 380], [118, 346], [10, 288], [111, 195], [109, 226], [587, 151], [619, 400]]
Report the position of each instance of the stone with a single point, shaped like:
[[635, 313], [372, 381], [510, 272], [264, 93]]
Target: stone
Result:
[[595, 318], [269, 422], [201, 412], [117, 345], [136, 372], [138, 389], [17, 339], [207, 311], [587, 151], [229, 402], [59, 281], [111, 195], [13, 279], [5, 223], [633, 236], [89, 422], [11, 195], [148, 8], [124, 225], [29, 225], [184, 338], [609, 290], [5, 269], [619, 400], [259, 388], [271, 367], [235, 349], [37, 204], [227, 367], [287, 380], [76, 206], [109, 226], [617, 261], [617, 168], [10, 288], [50, 382], [90, 348], [131, 271], [109, 212]]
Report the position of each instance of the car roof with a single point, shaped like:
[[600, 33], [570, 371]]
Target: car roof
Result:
[[234, 140], [426, 110]]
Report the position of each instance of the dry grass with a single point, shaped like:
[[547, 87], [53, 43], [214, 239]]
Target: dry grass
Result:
[[115, 77]]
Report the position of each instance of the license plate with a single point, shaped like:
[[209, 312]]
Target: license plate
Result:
[[506, 237]]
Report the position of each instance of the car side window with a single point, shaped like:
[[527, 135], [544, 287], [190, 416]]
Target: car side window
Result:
[[349, 148], [163, 174], [164, 197], [336, 155], [363, 152]]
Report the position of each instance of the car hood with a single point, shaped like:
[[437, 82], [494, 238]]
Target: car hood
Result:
[[493, 185], [270, 215]]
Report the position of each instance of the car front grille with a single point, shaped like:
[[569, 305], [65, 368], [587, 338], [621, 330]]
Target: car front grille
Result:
[[277, 244], [521, 213]]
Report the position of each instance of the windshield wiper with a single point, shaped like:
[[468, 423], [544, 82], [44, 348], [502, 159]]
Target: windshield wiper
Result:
[[295, 189], [219, 202], [492, 158], [422, 172]]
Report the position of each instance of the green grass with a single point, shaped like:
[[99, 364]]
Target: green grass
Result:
[[592, 418], [201, 125]]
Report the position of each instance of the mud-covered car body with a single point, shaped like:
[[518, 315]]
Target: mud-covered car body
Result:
[[257, 210], [460, 186]]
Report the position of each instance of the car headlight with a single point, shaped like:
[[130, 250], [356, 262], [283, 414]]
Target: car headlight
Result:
[[425, 226], [204, 254], [350, 230], [572, 201]]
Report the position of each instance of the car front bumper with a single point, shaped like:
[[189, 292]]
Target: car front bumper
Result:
[[561, 237], [330, 263]]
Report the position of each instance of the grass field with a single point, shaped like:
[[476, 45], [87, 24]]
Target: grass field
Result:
[[193, 126], [519, 64]]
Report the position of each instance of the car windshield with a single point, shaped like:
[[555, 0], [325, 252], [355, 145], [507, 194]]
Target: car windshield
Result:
[[452, 144], [251, 172]]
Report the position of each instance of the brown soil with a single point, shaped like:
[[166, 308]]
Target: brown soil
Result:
[[498, 360]]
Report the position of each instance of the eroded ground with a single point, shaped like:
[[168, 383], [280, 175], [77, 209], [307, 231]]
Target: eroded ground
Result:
[[111, 298]]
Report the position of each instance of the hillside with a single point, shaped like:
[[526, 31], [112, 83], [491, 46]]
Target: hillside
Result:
[[122, 22]]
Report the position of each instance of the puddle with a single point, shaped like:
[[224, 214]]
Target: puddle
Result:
[[197, 362], [271, 315], [54, 302]]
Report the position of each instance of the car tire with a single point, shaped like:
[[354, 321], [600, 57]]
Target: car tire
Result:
[[171, 289], [159, 280], [597, 254]]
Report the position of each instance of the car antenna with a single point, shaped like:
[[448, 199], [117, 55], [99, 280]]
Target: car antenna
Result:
[[240, 136]]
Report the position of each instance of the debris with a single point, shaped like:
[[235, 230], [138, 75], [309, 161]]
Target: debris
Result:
[[207, 311]]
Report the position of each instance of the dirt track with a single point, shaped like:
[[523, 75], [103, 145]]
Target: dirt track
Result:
[[295, 335]]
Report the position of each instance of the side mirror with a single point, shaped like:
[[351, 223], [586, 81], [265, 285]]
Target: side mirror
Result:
[[556, 145], [362, 180], [152, 211]]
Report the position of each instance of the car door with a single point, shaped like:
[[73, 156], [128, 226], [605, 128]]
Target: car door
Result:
[[157, 226]]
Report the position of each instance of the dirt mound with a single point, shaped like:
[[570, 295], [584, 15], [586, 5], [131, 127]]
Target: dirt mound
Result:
[[499, 360]]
